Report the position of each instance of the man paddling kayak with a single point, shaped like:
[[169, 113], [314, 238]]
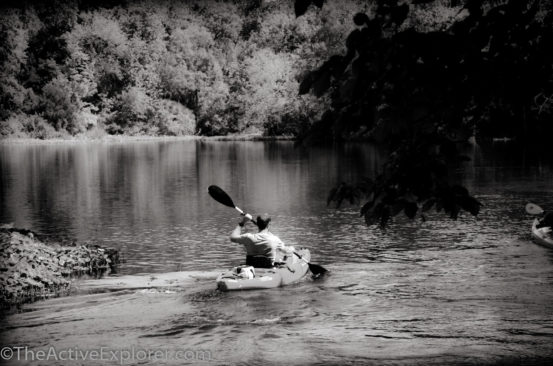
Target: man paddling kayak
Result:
[[546, 220], [262, 248]]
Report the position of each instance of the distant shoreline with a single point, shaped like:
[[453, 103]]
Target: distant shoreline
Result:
[[124, 139]]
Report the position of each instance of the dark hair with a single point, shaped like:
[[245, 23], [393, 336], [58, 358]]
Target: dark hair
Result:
[[263, 221]]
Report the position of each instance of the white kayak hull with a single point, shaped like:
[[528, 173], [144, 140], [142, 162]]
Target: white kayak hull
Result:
[[542, 235], [291, 271]]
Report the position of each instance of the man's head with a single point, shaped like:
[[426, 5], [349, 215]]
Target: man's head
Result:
[[263, 221]]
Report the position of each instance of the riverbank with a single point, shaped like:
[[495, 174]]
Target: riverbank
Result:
[[124, 139], [32, 269]]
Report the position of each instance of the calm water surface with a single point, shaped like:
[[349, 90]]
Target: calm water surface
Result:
[[469, 291]]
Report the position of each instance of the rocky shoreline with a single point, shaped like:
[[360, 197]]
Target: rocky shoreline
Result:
[[32, 268]]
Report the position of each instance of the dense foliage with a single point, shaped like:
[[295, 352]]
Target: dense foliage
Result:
[[423, 90], [161, 67]]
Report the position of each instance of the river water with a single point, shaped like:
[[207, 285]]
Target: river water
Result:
[[475, 290]]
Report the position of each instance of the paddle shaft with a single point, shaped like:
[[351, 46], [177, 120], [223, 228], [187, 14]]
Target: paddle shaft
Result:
[[247, 215]]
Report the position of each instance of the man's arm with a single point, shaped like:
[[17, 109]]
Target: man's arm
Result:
[[236, 234], [284, 248]]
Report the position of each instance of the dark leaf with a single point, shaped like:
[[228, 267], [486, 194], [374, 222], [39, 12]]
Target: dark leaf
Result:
[[353, 40], [306, 83], [448, 148], [428, 205], [300, 7], [384, 217], [454, 212], [347, 88], [410, 197], [459, 133], [336, 65], [360, 19], [319, 3], [411, 209], [321, 83], [366, 186], [474, 7], [331, 195], [459, 190], [366, 207], [395, 208], [470, 204], [370, 219], [439, 206], [399, 14]]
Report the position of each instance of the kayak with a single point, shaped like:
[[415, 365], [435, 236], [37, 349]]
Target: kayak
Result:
[[542, 235], [291, 270]]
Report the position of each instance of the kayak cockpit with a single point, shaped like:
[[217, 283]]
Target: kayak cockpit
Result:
[[292, 269]]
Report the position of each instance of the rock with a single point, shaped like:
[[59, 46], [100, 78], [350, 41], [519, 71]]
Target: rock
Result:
[[31, 268]]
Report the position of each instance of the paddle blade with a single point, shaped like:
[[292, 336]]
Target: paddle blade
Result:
[[220, 196], [533, 209], [317, 270]]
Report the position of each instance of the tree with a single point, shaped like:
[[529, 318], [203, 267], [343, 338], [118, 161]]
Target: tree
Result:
[[422, 94], [59, 105], [131, 110], [47, 50]]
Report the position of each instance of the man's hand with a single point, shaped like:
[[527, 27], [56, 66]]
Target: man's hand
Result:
[[288, 249], [243, 221]]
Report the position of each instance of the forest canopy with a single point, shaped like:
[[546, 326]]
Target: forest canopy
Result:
[[167, 67], [162, 67]]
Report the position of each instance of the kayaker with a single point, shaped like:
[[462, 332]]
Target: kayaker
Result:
[[262, 248], [546, 220]]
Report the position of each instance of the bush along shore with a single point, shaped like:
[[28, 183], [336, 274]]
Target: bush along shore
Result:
[[33, 269]]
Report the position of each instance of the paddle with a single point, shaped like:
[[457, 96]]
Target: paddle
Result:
[[534, 209], [222, 197]]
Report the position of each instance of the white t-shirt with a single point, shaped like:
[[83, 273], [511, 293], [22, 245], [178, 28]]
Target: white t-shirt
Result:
[[262, 243]]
